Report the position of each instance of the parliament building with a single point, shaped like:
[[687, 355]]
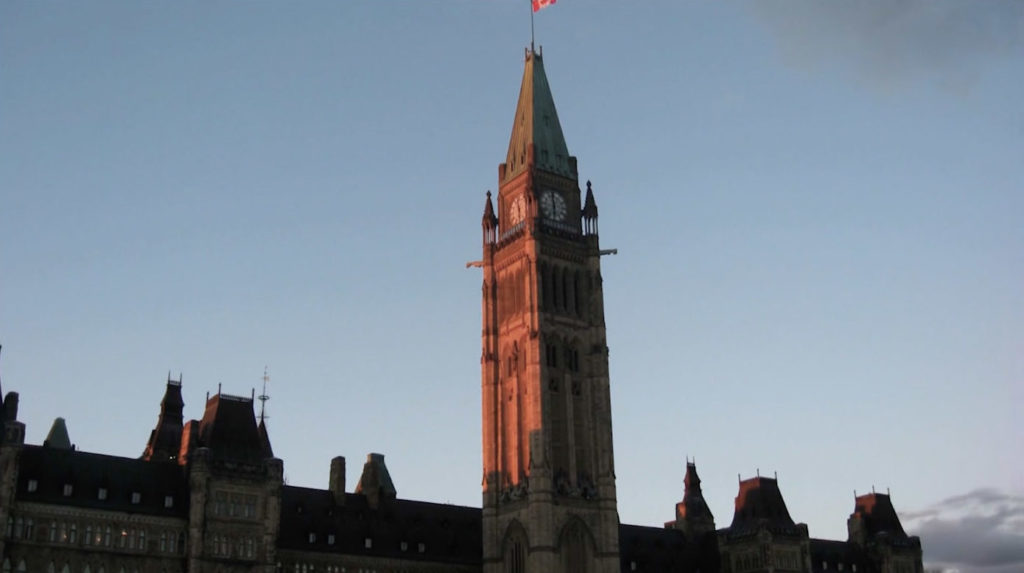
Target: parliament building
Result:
[[208, 495]]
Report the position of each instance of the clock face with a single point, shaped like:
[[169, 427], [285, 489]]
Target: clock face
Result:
[[553, 205], [517, 210]]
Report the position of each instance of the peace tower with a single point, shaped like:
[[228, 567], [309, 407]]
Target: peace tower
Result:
[[549, 482]]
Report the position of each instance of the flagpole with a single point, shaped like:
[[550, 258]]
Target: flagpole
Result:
[[530, 2]]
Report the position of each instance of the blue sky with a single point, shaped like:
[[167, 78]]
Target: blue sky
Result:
[[818, 210]]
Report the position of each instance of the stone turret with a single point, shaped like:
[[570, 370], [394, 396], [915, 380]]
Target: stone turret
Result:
[[875, 527], [693, 516], [165, 439]]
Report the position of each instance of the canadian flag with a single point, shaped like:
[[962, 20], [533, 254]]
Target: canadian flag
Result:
[[538, 4]]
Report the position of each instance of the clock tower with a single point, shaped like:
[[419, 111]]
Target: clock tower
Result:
[[549, 479]]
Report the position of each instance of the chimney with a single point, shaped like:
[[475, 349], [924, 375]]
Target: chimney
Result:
[[337, 483]]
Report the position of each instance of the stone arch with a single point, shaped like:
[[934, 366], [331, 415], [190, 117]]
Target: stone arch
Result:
[[576, 547], [515, 548]]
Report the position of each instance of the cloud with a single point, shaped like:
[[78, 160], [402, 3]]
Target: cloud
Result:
[[891, 43], [978, 532]]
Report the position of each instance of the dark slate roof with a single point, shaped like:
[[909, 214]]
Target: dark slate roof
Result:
[[759, 502], [450, 533], [58, 436], [835, 552], [879, 515], [165, 440], [693, 505], [658, 549], [229, 429], [87, 472]]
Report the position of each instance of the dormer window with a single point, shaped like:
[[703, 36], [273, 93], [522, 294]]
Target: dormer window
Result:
[[101, 494], [330, 539], [32, 485], [68, 488], [168, 501], [422, 547], [405, 546], [136, 498], [312, 537], [368, 543]]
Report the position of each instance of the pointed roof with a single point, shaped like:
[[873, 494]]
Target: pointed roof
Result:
[[229, 429], [760, 500], [58, 436], [693, 506], [165, 439], [878, 514], [536, 123], [489, 219], [590, 210]]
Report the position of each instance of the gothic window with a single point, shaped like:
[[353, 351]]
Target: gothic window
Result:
[[545, 288], [576, 293], [567, 292], [515, 550], [556, 300], [576, 548]]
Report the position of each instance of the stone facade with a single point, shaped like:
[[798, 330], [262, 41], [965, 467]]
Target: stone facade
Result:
[[208, 496]]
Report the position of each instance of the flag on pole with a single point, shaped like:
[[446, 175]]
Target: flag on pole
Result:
[[538, 4]]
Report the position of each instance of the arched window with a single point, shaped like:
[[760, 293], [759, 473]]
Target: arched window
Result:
[[7, 566], [21, 566], [576, 548], [515, 551], [50, 568]]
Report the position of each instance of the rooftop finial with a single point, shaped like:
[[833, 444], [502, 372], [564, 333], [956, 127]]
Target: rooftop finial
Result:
[[264, 396]]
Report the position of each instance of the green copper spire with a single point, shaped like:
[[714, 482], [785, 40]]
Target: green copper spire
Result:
[[536, 122]]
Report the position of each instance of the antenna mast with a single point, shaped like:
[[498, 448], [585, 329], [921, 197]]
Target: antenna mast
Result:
[[263, 397]]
